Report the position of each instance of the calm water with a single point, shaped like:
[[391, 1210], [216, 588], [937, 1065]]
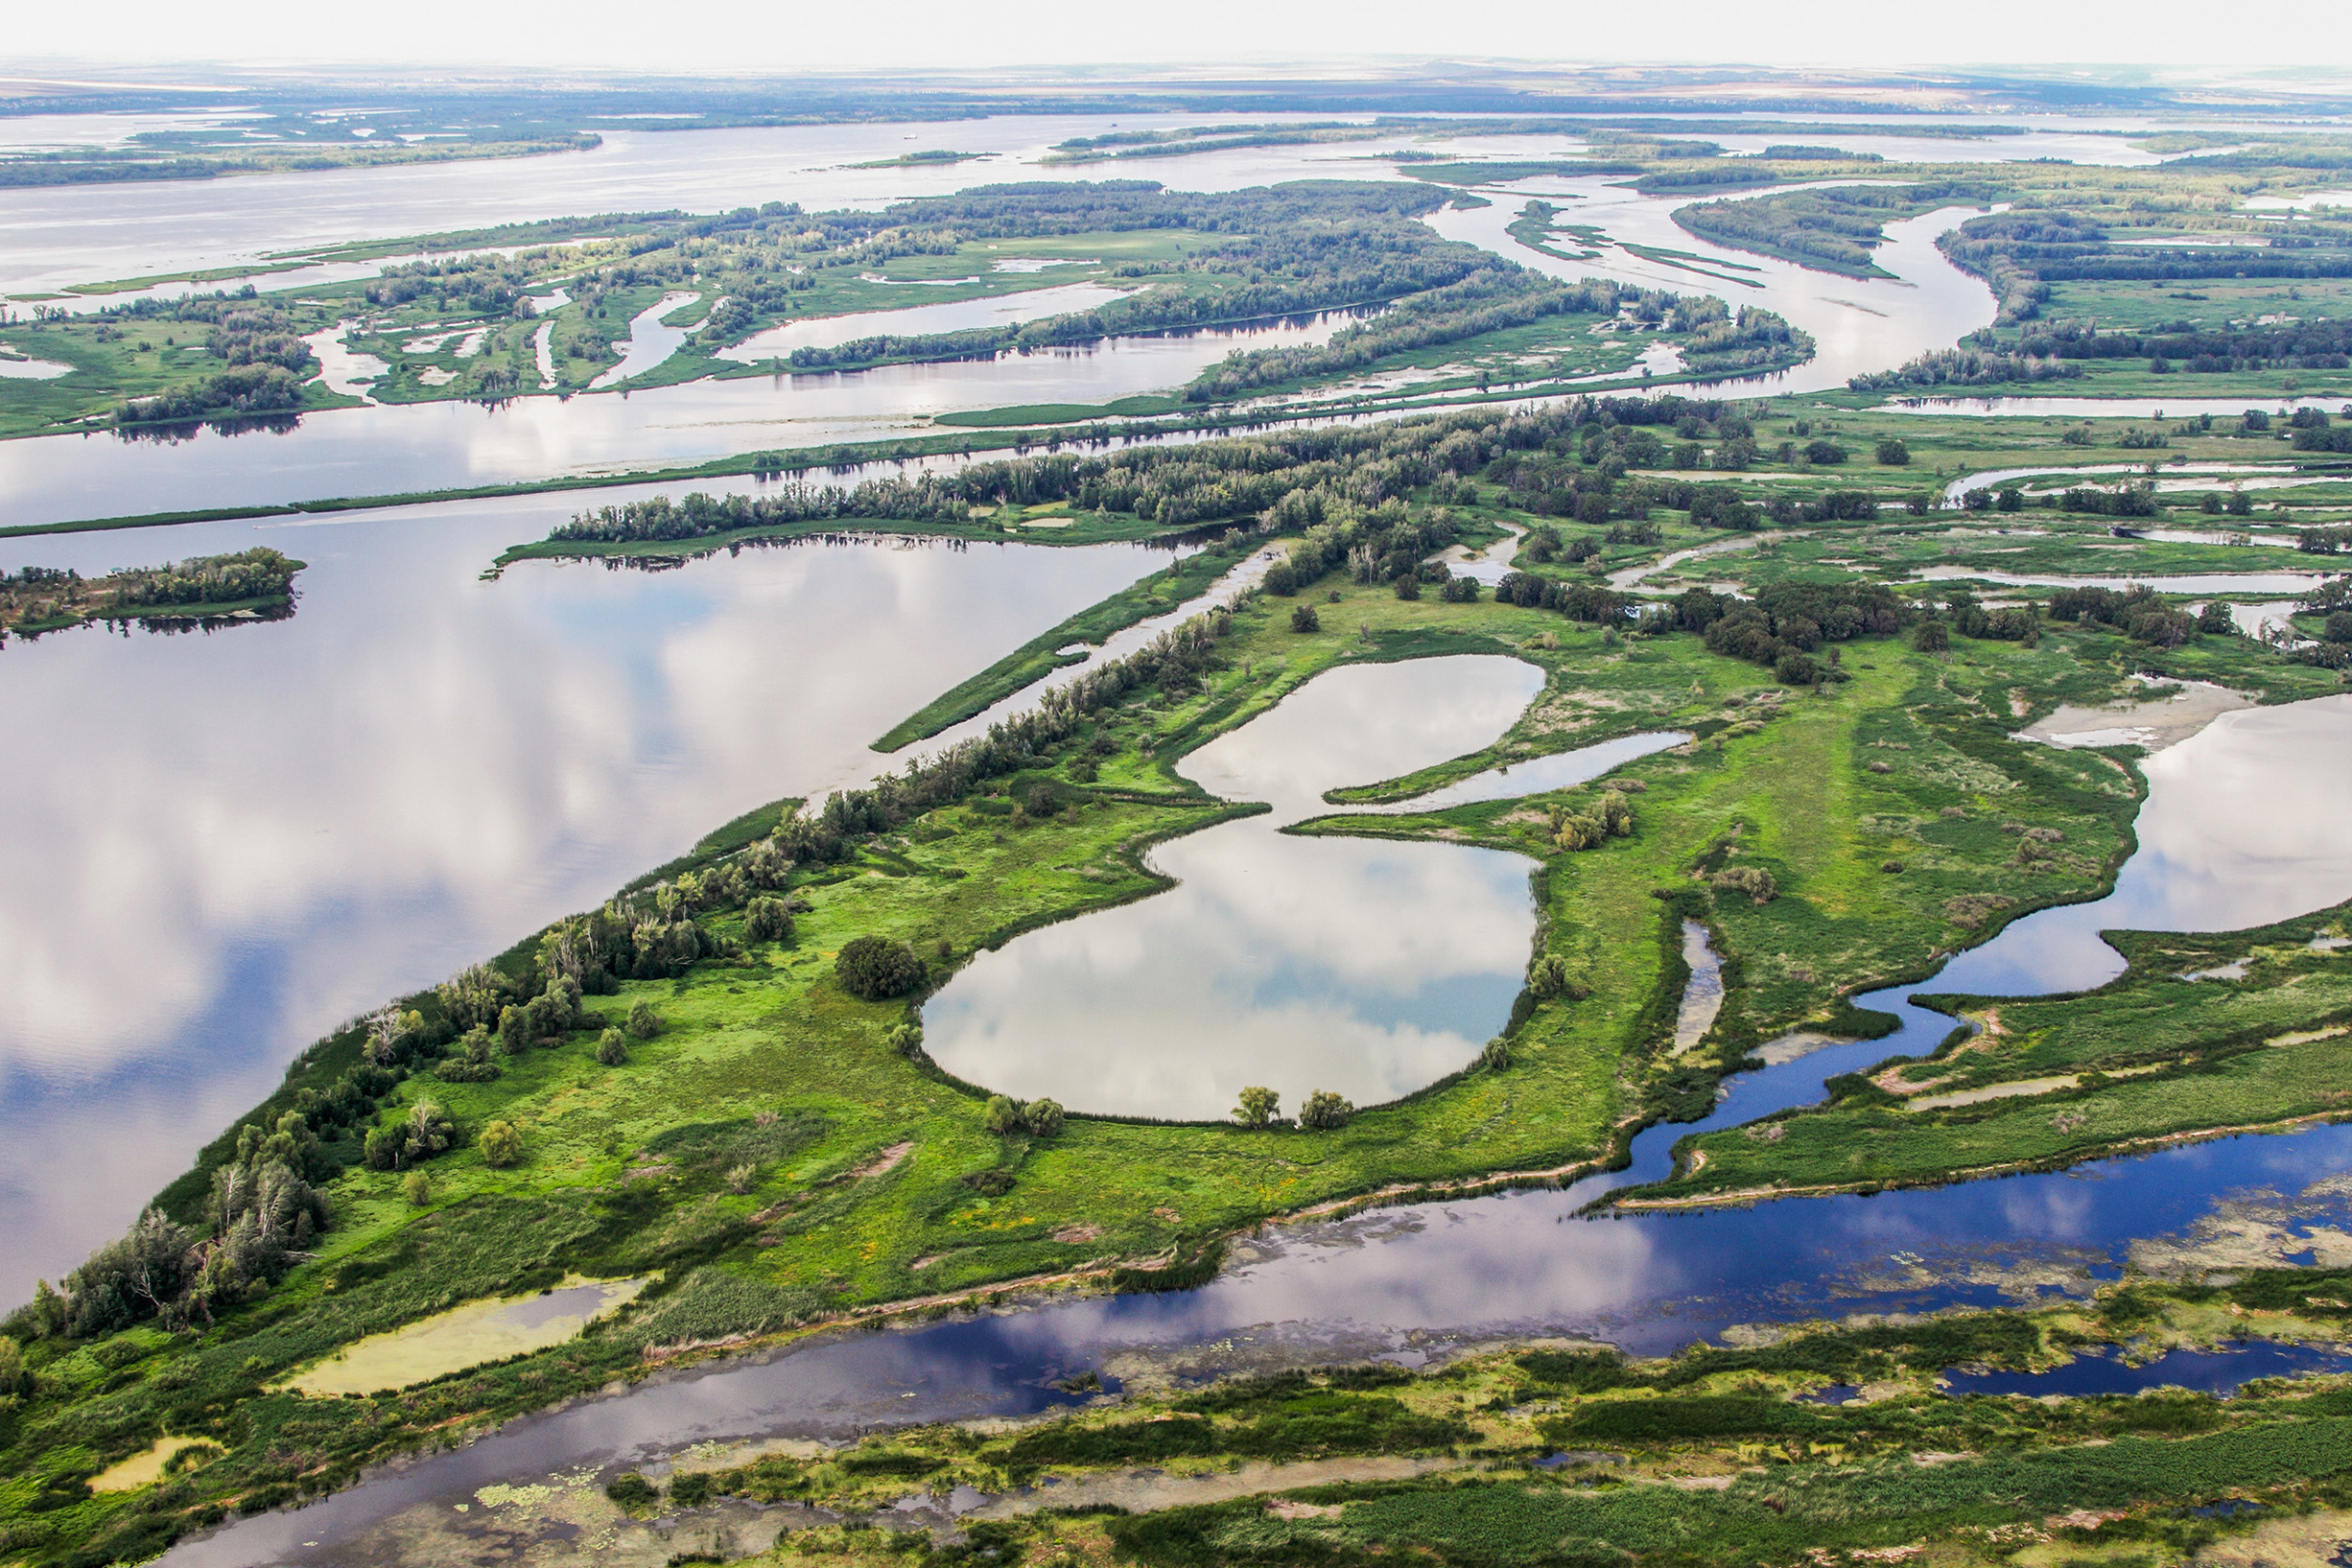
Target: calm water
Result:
[[234, 840], [1363, 967]]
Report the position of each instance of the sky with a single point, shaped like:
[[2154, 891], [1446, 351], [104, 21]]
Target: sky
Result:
[[788, 35]]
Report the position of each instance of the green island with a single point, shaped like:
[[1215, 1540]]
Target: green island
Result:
[[714, 1087], [256, 584]]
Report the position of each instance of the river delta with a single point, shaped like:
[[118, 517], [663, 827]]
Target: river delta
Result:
[[1763, 965]]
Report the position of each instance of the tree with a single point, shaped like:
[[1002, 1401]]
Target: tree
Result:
[[1932, 637], [502, 1145], [768, 921], [12, 1366], [1892, 454], [613, 1047], [1408, 587], [1043, 1118], [1497, 1055], [1002, 1116], [644, 1022], [1325, 1111], [2215, 619], [1259, 1107], [1305, 618], [877, 968]]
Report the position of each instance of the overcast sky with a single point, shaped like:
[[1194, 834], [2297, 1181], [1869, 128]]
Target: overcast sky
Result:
[[781, 35]]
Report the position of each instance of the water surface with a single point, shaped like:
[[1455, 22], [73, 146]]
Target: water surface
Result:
[[1363, 967]]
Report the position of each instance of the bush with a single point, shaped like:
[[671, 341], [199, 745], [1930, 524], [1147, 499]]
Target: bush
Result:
[[1002, 1115], [502, 1145], [1043, 1118], [644, 1022], [1408, 587], [613, 1047], [877, 968], [1305, 618], [1497, 1055], [632, 1492], [1893, 453], [768, 921], [1325, 1111], [418, 1188], [1752, 880]]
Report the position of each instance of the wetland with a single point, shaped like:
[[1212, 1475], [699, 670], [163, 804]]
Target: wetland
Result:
[[1599, 936]]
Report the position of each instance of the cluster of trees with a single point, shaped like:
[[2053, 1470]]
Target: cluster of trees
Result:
[[260, 573], [2136, 611], [1610, 818], [877, 968], [1260, 1109], [1967, 367], [1787, 625], [2313, 431], [261, 1214], [237, 392], [1005, 1117]]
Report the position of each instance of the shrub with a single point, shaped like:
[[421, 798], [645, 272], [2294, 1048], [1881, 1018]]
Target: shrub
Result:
[[502, 1145], [1408, 587], [613, 1047], [1752, 880], [1893, 453], [632, 1492], [1259, 1107], [1002, 1116], [1043, 1118], [876, 969], [907, 1037], [1497, 1055], [418, 1188], [1305, 618], [1325, 1111], [644, 1022], [768, 921]]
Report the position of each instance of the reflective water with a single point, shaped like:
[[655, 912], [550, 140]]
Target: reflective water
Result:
[[2220, 1372], [2183, 582], [235, 841], [400, 449], [1539, 775], [1363, 967], [651, 339], [1002, 309]]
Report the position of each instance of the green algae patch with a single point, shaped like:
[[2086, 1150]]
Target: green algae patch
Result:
[[468, 1336]]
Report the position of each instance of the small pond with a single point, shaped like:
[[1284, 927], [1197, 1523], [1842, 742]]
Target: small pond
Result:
[[1364, 967]]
